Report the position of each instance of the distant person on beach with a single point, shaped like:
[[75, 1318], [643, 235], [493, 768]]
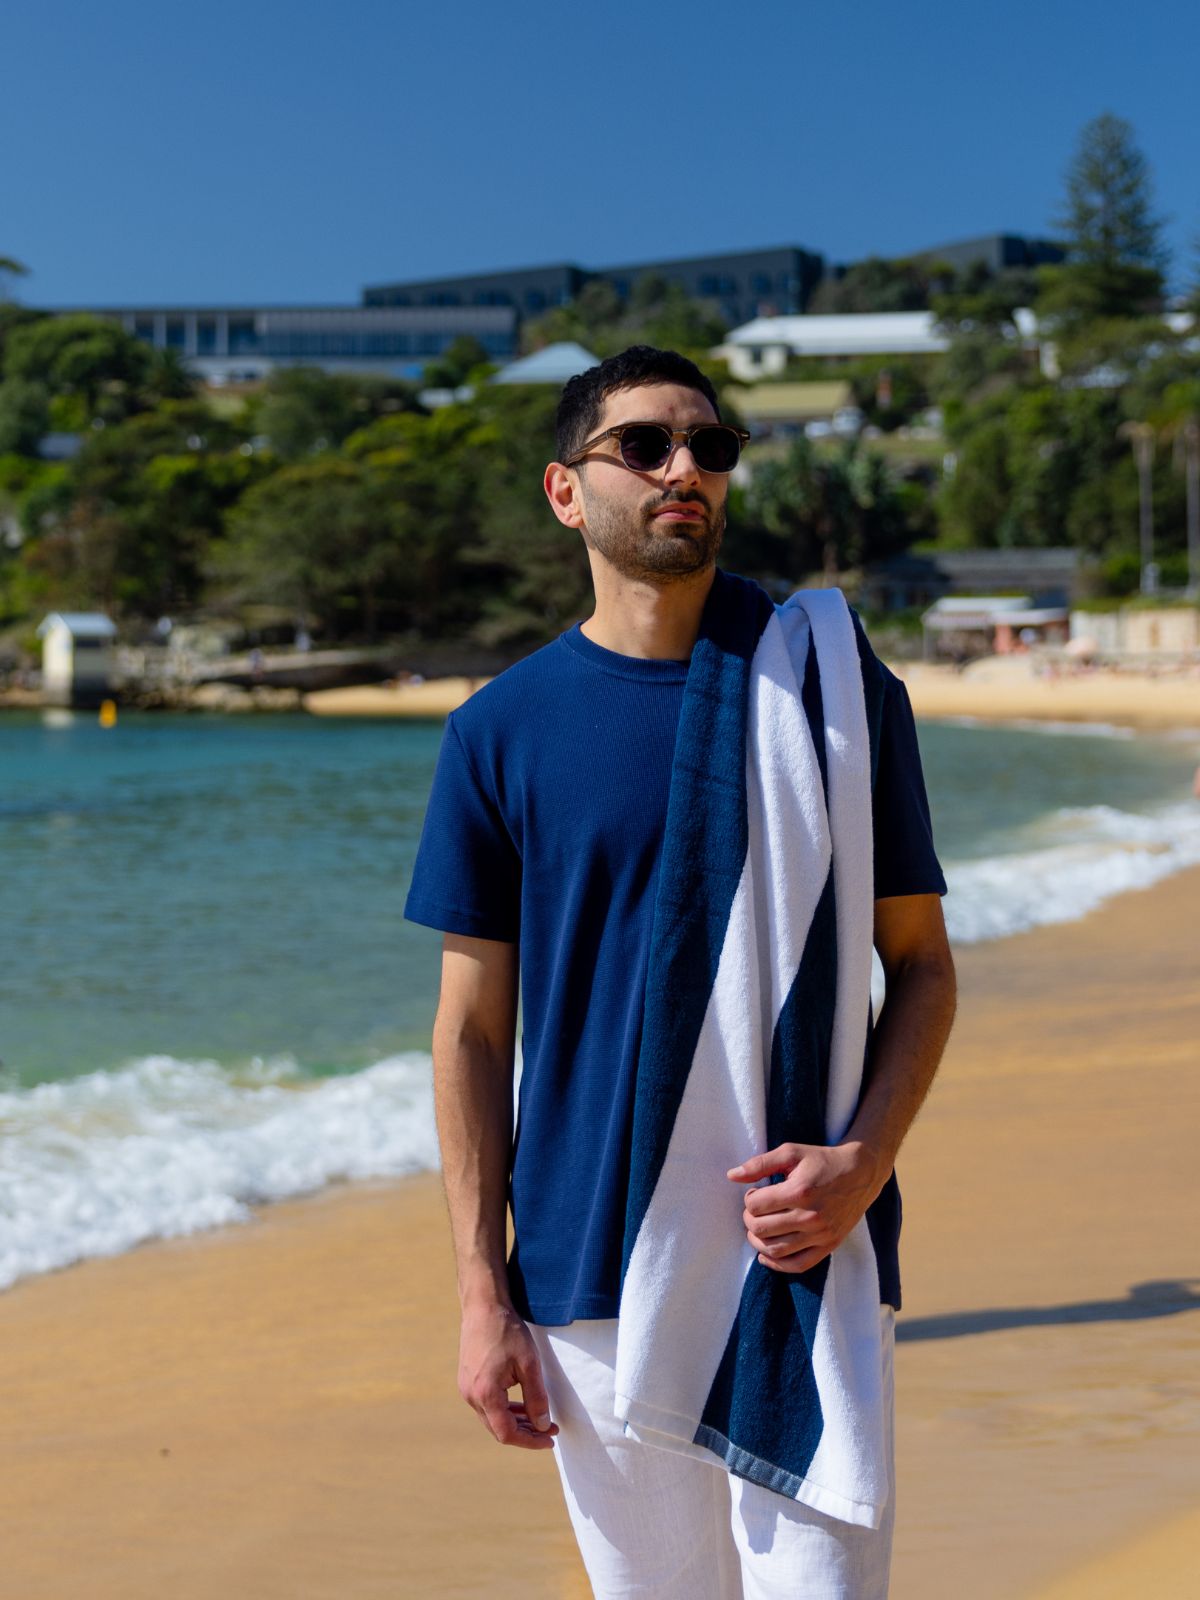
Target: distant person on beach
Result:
[[560, 803]]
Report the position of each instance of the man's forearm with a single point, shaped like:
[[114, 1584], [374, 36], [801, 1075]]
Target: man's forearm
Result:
[[906, 1047], [473, 1100]]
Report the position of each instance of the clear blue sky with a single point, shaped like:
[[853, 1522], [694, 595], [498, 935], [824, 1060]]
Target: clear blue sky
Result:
[[262, 152]]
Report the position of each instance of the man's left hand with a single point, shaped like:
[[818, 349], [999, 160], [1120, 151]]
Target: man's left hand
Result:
[[797, 1222]]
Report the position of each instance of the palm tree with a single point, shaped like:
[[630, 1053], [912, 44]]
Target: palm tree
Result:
[[836, 510], [1177, 419], [1141, 437]]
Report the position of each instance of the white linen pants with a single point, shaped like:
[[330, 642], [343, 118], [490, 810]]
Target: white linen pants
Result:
[[652, 1522]]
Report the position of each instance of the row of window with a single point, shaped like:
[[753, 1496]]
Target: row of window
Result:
[[709, 285], [332, 346], [244, 340], [532, 301], [241, 333], [347, 344]]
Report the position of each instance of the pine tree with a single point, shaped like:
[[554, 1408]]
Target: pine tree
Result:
[[1116, 261], [10, 267]]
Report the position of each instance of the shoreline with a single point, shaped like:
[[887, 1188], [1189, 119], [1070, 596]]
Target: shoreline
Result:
[[276, 1408], [1144, 700]]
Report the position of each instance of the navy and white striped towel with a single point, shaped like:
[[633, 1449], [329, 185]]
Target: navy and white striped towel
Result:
[[755, 1033]]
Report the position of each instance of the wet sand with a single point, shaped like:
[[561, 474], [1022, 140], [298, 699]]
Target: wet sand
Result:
[[1049, 1404], [270, 1412]]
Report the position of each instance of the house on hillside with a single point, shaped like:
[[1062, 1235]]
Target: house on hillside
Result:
[[762, 348], [787, 409]]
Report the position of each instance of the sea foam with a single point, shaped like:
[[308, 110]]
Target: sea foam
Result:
[[1066, 865], [162, 1147], [93, 1165]]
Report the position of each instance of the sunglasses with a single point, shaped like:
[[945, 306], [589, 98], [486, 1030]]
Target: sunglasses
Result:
[[645, 446]]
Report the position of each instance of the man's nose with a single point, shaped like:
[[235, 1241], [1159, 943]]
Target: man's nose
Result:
[[681, 466]]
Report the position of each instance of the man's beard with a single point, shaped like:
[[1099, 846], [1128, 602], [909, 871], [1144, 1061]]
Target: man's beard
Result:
[[640, 545]]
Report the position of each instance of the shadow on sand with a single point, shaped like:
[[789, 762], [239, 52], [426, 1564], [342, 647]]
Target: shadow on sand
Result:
[[1165, 1297]]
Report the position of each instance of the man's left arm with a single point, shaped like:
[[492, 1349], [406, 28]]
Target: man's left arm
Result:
[[826, 1189]]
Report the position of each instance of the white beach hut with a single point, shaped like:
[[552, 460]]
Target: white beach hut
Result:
[[77, 657]]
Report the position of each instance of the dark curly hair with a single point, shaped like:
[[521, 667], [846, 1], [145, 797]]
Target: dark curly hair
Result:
[[583, 396]]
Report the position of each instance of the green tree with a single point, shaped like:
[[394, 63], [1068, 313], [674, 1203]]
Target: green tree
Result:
[[362, 545], [133, 521], [1047, 465], [10, 267], [1116, 260], [307, 536], [430, 495], [302, 411], [883, 284], [589, 319], [463, 359], [90, 358], [30, 491], [672, 321], [657, 312], [367, 538], [889, 390], [12, 317], [979, 315], [832, 511], [168, 378], [531, 573], [24, 415]]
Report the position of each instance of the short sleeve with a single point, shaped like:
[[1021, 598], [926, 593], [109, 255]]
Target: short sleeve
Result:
[[467, 875], [905, 859]]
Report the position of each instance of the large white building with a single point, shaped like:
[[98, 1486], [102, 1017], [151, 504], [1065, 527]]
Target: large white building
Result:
[[230, 344], [762, 348]]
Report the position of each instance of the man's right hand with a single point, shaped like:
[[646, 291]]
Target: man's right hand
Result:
[[496, 1352]]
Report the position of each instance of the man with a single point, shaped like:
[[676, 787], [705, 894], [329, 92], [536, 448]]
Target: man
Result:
[[540, 857]]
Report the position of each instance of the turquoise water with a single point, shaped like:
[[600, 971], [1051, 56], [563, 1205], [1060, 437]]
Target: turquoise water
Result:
[[233, 887], [210, 998], [205, 886], [990, 784]]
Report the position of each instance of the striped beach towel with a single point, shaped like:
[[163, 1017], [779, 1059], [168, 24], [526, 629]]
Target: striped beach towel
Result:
[[757, 1019]]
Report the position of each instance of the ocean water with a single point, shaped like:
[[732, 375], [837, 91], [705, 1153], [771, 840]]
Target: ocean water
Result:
[[1038, 823], [209, 997]]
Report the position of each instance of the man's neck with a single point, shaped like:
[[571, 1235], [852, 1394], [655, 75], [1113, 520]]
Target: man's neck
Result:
[[638, 618]]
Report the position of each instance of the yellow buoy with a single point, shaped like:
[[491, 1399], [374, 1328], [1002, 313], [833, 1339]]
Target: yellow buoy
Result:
[[108, 713]]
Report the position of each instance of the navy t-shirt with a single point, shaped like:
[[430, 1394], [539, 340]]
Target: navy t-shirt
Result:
[[544, 828]]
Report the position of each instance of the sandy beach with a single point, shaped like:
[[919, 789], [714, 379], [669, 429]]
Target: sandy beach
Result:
[[988, 691], [435, 697], [1134, 699], [270, 1411]]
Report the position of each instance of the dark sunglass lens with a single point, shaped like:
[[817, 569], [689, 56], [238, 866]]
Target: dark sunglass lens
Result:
[[645, 446], [716, 449]]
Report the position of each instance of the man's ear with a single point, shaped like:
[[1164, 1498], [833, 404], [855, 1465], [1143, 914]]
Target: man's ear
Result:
[[562, 490]]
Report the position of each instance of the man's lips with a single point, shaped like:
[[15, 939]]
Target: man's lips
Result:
[[681, 513]]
